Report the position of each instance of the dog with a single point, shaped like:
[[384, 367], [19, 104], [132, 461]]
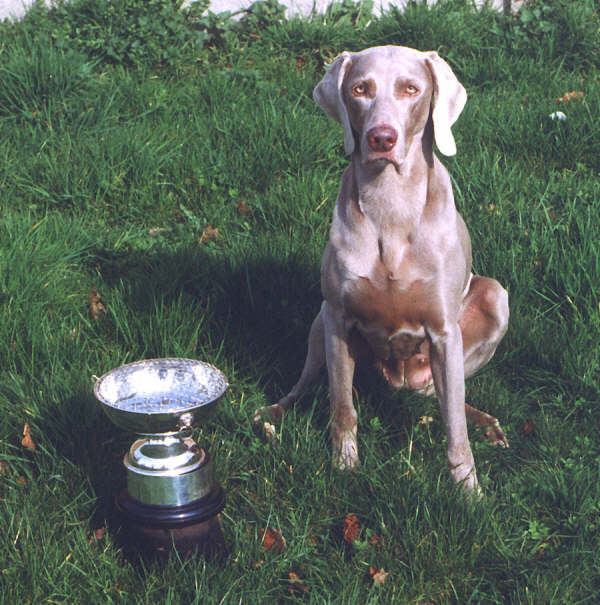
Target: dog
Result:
[[396, 274]]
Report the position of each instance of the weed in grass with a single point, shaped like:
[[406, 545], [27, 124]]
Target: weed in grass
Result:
[[37, 77], [128, 32]]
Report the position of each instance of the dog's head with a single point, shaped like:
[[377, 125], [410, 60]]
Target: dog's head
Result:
[[383, 96]]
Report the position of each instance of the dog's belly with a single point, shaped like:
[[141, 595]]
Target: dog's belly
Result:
[[390, 315], [401, 345], [390, 320]]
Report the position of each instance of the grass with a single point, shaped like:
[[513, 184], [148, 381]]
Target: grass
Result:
[[112, 167]]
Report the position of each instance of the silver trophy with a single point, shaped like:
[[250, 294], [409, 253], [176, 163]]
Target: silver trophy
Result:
[[171, 498]]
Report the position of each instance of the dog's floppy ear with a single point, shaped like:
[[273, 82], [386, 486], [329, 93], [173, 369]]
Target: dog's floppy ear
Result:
[[449, 99], [328, 96]]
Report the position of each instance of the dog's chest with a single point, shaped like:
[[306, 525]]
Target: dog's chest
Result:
[[391, 304]]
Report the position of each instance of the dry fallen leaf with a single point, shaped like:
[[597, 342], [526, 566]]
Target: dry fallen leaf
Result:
[[242, 208], [22, 480], [156, 231], [210, 234], [570, 96], [296, 584], [351, 528], [97, 534], [270, 431], [528, 427], [3, 468], [96, 308], [27, 440], [272, 540], [378, 575], [376, 541]]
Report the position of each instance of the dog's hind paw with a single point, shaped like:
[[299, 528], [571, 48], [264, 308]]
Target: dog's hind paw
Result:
[[264, 421], [493, 434], [270, 413]]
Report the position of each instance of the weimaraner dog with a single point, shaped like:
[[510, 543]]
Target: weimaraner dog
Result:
[[396, 274]]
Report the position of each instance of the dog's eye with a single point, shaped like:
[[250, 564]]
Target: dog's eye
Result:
[[359, 89], [411, 90]]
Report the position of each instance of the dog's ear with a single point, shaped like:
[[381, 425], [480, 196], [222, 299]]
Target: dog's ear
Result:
[[449, 99], [328, 96]]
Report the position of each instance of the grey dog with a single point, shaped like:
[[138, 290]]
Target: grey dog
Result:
[[396, 275]]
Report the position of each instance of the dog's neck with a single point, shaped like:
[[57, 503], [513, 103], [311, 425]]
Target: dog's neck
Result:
[[394, 198]]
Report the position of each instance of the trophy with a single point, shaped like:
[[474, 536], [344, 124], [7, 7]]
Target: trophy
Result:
[[171, 499]]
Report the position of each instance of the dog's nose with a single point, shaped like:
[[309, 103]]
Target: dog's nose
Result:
[[382, 138]]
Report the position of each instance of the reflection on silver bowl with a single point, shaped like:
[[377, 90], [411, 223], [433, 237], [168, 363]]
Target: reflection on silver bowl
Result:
[[160, 395]]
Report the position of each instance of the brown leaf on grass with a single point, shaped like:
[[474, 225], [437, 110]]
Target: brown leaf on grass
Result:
[[242, 208], [210, 234], [296, 584], [574, 95], [96, 535], [96, 308], [156, 231], [377, 575], [3, 468], [22, 480], [548, 543], [376, 541], [272, 539], [351, 528], [528, 427], [27, 440]]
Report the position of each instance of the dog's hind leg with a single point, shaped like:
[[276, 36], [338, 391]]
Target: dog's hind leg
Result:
[[315, 360]]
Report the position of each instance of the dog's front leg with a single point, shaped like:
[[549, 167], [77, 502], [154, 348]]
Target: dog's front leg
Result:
[[340, 368], [447, 366]]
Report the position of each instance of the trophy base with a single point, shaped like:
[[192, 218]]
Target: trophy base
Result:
[[153, 531]]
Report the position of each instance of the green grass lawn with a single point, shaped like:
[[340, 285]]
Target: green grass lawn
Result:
[[123, 138]]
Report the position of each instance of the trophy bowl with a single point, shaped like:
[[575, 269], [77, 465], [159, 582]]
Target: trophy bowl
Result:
[[155, 396], [171, 498]]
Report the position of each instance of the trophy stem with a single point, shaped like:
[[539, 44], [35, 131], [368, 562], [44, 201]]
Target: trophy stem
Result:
[[166, 470]]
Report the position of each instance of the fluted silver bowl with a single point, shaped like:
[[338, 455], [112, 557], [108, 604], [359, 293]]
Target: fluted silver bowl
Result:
[[155, 396]]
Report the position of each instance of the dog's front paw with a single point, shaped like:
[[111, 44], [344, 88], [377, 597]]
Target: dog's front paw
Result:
[[466, 476], [346, 453]]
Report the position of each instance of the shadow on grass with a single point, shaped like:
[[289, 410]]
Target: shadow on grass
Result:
[[254, 314], [254, 310]]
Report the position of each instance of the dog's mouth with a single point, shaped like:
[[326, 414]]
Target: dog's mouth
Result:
[[380, 159]]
